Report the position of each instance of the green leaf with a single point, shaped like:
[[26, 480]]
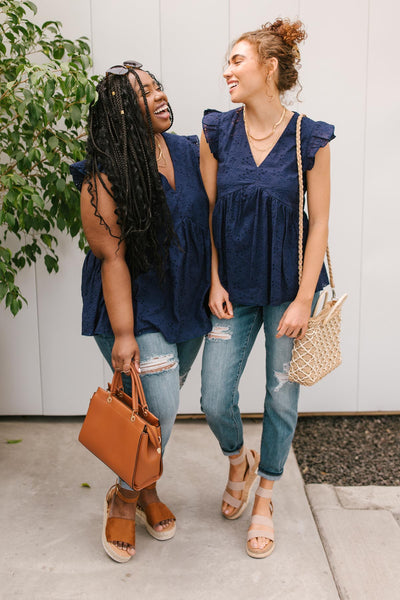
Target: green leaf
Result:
[[76, 114], [31, 5], [3, 290], [85, 485], [60, 185], [49, 88], [53, 142], [51, 263], [13, 441]]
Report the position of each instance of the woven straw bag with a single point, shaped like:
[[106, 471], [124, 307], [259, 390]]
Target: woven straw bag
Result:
[[318, 352]]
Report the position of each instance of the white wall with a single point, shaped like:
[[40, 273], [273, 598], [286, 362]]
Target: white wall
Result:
[[349, 76]]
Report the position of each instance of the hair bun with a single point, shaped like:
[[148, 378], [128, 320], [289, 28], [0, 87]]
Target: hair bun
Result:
[[291, 32]]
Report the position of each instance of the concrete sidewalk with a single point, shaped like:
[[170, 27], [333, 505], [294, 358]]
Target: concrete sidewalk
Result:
[[50, 527]]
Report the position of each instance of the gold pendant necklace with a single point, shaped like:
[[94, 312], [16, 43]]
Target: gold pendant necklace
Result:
[[274, 127], [160, 155]]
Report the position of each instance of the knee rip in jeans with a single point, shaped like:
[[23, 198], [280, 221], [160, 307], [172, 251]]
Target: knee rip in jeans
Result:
[[282, 377], [158, 364], [220, 332]]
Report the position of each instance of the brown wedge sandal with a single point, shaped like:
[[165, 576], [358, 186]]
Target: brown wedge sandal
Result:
[[152, 514], [117, 528], [245, 486], [267, 533]]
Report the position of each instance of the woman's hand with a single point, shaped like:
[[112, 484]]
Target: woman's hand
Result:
[[219, 302], [125, 351], [294, 321]]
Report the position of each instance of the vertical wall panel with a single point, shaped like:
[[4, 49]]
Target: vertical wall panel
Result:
[[380, 283], [20, 389], [334, 91], [194, 38], [71, 364], [125, 29]]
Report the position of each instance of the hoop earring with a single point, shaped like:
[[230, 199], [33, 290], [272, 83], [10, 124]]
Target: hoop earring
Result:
[[270, 96]]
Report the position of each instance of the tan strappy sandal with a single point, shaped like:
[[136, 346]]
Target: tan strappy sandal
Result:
[[267, 533], [117, 528], [245, 486], [152, 514]]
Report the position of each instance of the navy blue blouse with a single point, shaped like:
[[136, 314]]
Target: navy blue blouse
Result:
[[255, 219], [177, 307]]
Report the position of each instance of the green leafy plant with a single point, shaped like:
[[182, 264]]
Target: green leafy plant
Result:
[[45, 91]]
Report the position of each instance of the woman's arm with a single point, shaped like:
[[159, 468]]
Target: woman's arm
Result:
[[218, 302], [115, 275], [295, 319]]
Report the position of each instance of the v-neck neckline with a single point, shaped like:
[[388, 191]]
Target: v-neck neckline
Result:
[[273, 147], [173, 189]]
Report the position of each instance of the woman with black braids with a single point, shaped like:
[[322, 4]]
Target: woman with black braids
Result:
[[145, 279]]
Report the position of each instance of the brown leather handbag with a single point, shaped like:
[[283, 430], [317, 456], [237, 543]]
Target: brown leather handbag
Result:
[[123, 433]]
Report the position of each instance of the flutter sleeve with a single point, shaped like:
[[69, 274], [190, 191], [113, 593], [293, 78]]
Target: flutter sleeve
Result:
[[321, 134], [211, 129], [78, 172]]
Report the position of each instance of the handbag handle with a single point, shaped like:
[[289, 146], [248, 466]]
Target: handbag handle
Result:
[[301, 209], [138, 397]]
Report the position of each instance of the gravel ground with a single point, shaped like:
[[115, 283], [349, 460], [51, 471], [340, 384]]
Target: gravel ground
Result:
[[353, 450]]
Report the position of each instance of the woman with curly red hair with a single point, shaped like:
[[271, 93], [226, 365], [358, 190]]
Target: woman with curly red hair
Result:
[[249, 167]]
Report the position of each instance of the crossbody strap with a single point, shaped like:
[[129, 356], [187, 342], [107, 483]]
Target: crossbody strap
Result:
[[301, 210]]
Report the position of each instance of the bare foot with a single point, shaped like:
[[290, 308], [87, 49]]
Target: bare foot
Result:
[[236, 473], [123, 510], [262, 506], [147, 496]]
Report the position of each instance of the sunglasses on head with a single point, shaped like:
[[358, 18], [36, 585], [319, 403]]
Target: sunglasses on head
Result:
[[124, 68]]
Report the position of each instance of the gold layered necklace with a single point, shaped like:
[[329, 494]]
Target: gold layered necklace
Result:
[[253, 139], [161, 160]]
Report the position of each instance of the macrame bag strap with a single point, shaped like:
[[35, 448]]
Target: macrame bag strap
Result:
[[301, 209]]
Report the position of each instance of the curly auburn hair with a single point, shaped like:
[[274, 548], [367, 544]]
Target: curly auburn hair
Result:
[[121, 145], [279, 40]]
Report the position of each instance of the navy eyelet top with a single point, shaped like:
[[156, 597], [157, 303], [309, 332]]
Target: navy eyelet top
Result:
[[255, 219], [178, 307]]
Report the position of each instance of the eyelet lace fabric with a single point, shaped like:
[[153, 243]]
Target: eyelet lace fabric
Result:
[[177, 307], [255, 219]]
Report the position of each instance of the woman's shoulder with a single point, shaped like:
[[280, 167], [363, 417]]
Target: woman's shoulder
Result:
[[315, 135], [212, 116], [321, 129], [182, 143]]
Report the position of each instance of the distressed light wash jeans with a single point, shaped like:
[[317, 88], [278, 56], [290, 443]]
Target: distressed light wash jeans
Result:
[[164, 368], [227, 348]]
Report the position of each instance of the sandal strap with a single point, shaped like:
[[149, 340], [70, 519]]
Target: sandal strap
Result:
[[262, 520], [157, 512], [263, 492], [121, 530], [235, 502], [236, 485], [239, 459], [267, 522], [264, 533], [128, 500]]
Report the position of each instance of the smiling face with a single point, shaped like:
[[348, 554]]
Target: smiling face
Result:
[[156, 99], [245, 76]]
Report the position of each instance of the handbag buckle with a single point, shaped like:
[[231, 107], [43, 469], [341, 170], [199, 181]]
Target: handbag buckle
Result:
[[109, 398], [133, 417]]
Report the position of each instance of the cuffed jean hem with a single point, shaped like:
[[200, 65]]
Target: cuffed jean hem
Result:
[[269, 476], [232, 453]]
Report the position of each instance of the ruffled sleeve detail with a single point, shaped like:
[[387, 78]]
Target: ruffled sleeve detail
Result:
[[78, 172], [322, 133], [211, 129]]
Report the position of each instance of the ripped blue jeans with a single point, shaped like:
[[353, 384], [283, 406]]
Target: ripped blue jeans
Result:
[[163, 370], [226, 351]]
